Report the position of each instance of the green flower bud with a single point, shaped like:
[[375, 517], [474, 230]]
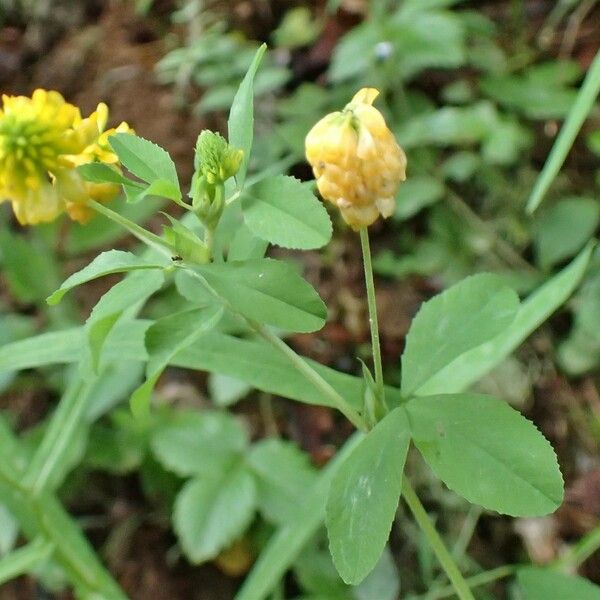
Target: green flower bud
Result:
[[208, 200], [215, 159]]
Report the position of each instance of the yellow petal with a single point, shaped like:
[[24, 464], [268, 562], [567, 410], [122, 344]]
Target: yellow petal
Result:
[[365, 96]]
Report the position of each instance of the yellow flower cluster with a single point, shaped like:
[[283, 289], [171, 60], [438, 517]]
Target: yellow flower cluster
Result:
[[356, 161], [42, 140]]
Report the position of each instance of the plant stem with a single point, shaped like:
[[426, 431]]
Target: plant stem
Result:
[[145, 236], [44, 516], [301, 365], [459, 549], [24, 559], [435, 541], [209, 240], [64, 425], [580, 552], [475, 581], [373, 323]]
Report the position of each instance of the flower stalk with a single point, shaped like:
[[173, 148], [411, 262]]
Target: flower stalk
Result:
[[373, 321]]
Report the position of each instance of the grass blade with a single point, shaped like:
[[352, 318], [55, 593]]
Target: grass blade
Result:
[[577, 115]]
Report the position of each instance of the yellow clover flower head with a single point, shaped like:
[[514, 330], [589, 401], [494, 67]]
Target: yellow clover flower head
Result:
[[356, 160], [42, 140]]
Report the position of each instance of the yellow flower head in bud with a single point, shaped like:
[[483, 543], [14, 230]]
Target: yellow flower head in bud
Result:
[[42, 140], [215, 159], [356, 161]]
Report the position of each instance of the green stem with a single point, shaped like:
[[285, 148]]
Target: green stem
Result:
[[435, 541], [459, 549], [475, 581], [580, 552], [209, 240], [303, 367], [373, 322], [44, 516], [25, 559], [145, 236], [64, 425]]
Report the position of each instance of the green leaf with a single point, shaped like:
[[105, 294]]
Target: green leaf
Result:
[[240, 125], [229, 355], [289, 539], [30, 268], [98, 172], [283, 211], [49, 348], [283, 474], [225, 390], [474, 364], [118, 378], [13, 327], [144, 159], [162, 188], [534, 99], [364, 497], [210, 514], [25, 559], [383, 582], [268, 291], [316, 575], [215, 352], [457, 320], [134, 289], [63, 442], [580, 351], [199, 443], [125, 343], [107, 263], [164, 340], [245, 245], [487, 452], [563, 229], [575, 119], [537, 583], [117, 450], [9, 529], [415, 194]]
